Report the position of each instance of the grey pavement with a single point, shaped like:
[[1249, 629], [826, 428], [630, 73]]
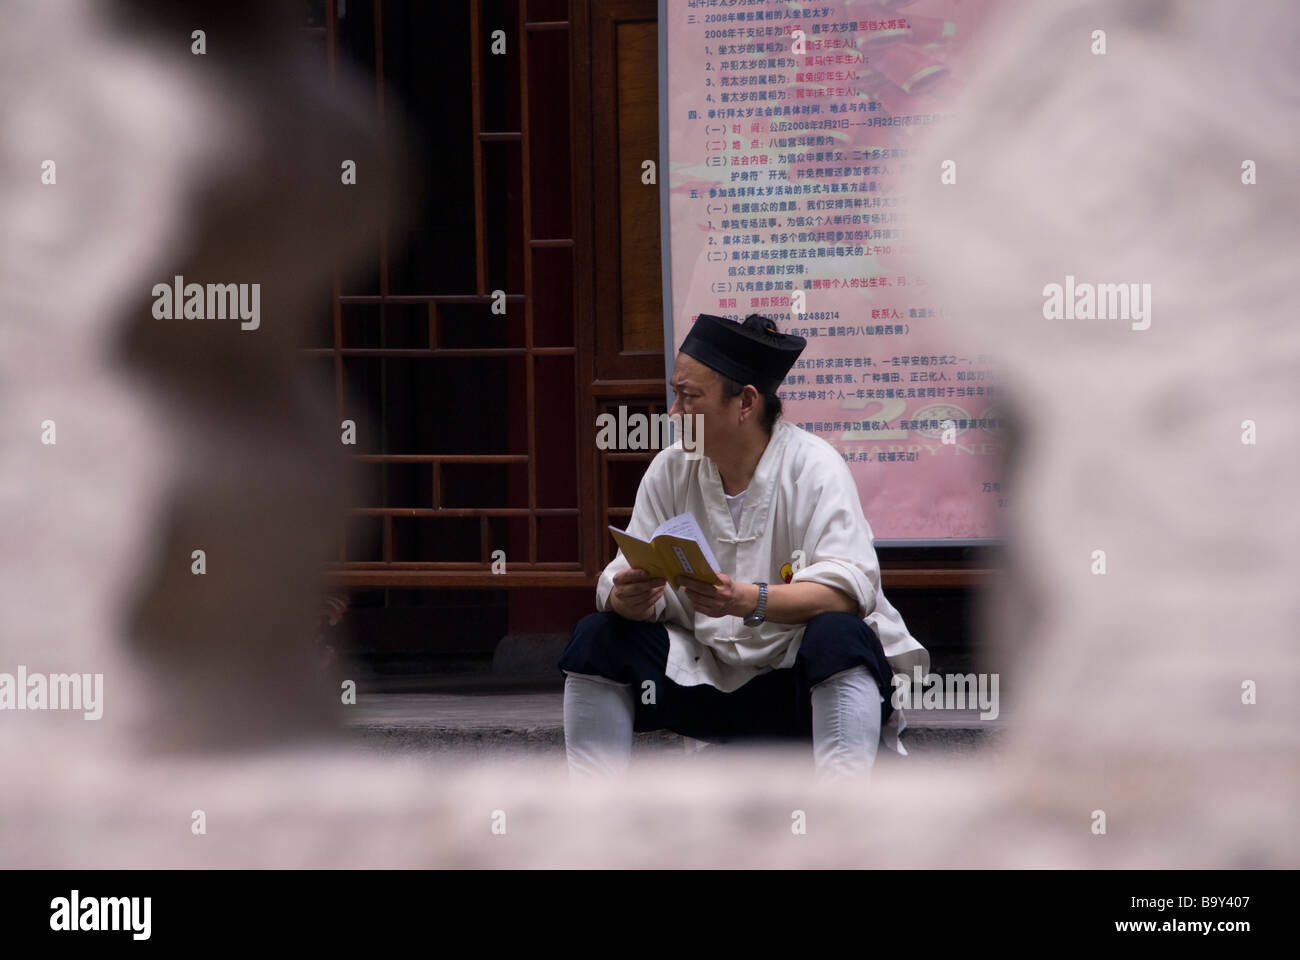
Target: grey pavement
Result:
[[507, 722]]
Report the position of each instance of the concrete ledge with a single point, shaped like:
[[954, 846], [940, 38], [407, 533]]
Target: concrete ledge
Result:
[[532, 722], [529, 655]]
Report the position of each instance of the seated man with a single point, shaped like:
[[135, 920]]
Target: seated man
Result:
[[785, 647]]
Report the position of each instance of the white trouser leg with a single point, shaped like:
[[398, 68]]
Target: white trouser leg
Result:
[[598, 718], [846, 724]]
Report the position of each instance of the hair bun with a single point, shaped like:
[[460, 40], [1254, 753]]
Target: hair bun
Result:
[[760, 324]]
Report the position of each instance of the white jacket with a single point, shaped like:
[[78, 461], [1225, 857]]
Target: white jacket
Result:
[[802, 497]]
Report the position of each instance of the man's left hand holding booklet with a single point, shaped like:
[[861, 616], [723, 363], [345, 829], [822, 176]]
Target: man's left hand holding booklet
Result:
[[677, 549]]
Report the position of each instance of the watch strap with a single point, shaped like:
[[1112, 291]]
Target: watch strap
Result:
[[760, 610]]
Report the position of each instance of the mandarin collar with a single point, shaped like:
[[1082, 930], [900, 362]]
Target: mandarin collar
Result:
[[758, 495]]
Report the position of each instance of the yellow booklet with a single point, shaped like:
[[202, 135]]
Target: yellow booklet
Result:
[[676, 549]]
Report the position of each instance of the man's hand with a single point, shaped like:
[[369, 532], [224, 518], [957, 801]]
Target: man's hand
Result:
[[635, 594], [731, 599]]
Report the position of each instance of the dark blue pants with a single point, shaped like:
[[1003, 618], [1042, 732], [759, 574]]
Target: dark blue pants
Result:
[[772, 705]]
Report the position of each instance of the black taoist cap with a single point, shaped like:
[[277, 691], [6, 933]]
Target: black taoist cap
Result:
[[750, 352]]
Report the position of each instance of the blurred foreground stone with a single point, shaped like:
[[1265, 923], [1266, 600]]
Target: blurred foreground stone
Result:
[[1122, 169]]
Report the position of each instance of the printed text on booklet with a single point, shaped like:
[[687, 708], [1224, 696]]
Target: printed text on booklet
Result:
[[676, 549]]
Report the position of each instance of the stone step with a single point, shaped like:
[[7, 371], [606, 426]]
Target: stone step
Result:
[[528, 721]]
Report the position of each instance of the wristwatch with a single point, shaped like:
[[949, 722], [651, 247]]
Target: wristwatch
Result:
[[760, 611]]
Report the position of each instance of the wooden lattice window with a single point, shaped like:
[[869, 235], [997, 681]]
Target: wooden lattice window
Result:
[[471, 439]]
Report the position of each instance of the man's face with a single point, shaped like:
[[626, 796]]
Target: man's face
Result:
[[697, 391]]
